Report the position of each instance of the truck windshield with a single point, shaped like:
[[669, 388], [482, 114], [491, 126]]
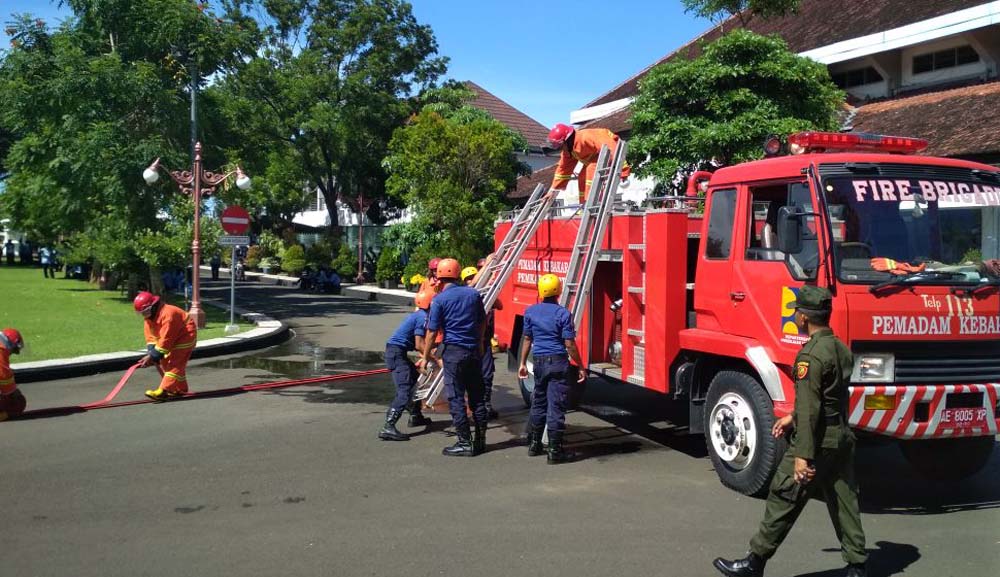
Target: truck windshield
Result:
[[884, 228]]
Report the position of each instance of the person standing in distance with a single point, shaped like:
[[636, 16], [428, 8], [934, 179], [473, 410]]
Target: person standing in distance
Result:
[[820, 456], [458, 311], [408, 337], [549, 334]]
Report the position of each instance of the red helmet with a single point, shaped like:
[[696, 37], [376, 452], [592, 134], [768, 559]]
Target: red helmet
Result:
[[433, 264], [559, 134], [448, 268], [14, 338], [144, 301]]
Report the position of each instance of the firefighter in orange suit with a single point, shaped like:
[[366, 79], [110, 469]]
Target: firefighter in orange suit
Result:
[[170, 339], [583, 146], [12, 401]]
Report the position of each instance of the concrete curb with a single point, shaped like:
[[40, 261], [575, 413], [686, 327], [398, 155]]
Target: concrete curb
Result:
[[373, 293], [268, 332]]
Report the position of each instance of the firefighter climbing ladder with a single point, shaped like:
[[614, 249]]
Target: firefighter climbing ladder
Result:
[[593, 223], [494, 275]]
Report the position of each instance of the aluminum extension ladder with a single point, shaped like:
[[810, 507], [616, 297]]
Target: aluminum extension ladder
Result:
[[593, 224], [490, 280]]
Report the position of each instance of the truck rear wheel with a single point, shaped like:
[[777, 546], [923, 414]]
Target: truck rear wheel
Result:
[[738, 420], [948, 459], [576, 390]]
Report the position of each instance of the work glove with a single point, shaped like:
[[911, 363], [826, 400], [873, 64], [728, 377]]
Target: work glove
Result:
[[896, 267]]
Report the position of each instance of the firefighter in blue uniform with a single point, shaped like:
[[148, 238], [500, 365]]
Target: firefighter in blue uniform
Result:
[[549, 334], [408, 337], [469, 277], [458, 311], [820, 456]]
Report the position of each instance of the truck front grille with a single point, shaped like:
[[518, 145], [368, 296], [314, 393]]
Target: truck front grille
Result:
[[946, 362]]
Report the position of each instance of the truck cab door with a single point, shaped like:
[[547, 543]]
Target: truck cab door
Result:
[[713, 298], [767, 279]]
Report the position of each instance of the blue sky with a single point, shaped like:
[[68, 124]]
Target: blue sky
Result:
[[544, 57]]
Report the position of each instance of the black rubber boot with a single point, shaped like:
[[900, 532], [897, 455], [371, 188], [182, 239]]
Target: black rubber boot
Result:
[[461, 448], [750, 566], [535, 446], [556, 452], [479, 441], [389, 432], [417, 418], [491, 412], [857, 570]]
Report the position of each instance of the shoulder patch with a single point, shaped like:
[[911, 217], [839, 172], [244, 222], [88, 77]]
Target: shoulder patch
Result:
[[801, 370]]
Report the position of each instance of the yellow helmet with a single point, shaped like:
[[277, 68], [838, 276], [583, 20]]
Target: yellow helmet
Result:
[[549, 286], [469, 271]]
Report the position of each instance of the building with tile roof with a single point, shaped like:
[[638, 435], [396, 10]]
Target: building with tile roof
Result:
[[927, 69]]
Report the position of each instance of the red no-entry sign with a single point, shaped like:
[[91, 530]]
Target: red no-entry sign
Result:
[[235, 220]]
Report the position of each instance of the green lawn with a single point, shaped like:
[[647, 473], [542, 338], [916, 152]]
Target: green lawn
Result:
[[61, 318]]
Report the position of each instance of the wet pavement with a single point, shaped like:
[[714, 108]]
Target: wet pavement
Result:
[[294, 482]]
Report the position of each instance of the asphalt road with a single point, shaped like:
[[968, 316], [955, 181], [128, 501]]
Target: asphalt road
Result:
[[294, 482]]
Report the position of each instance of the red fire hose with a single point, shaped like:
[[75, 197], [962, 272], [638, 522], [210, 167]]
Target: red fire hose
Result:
[[106, 402]]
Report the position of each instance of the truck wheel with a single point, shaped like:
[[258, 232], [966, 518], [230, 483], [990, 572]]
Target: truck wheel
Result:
[[527, 386], [948, 459], [738, 420], [576, 389]]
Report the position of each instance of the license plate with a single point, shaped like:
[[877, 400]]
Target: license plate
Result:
[[964, 418]]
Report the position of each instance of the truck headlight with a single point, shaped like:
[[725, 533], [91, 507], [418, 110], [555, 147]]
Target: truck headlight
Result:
[[874, 368]]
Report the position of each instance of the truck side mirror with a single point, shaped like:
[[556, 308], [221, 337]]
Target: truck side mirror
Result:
[[789, 230]]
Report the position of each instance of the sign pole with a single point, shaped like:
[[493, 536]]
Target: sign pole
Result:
[[232, 327]]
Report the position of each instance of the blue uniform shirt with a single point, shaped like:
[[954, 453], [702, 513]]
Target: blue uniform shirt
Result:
[[411, 327], [548, 325], [459, 310]]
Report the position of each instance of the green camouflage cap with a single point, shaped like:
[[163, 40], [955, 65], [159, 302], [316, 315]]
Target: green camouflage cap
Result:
[[814, 298]]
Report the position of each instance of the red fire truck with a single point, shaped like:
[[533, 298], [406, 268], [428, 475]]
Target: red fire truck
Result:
[[696, 305]]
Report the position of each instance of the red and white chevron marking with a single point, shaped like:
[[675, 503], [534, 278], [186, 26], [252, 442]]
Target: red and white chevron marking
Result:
[[900, 423]]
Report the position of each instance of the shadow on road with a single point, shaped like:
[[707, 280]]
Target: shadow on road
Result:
[[889, 559]]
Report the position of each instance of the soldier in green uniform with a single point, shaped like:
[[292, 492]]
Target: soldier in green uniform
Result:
[[820, 456]]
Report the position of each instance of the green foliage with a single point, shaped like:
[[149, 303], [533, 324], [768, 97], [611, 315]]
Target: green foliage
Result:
[[346, 262], [723, 104], [717, 10], [453, 166], [294, 260], [390, 266], [319, 100], [271, 244], [320, 253], [86, 106]]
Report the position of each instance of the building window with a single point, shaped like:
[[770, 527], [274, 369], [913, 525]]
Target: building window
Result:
[[950, 58], [858, 77]]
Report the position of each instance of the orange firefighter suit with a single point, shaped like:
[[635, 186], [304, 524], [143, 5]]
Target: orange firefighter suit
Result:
[[173, 334], [587, 143], [12, 401]]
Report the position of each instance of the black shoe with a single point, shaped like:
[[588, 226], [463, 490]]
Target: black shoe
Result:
[[535, 446], [462, 448], [418, 419], [556, 452], [491, 412], [857, 570], [750, 566], [479, 441], [389, 432]]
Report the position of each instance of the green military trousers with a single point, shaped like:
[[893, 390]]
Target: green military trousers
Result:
[[835, 478]]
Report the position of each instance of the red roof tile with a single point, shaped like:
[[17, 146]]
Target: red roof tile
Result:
[[526, 184], [533, 131], [957, 122], [817, 23]]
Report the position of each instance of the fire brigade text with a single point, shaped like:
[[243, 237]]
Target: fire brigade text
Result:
[[527, 269], [935, 325], [901, 190]]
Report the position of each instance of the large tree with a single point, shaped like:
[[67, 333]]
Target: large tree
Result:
[[723, 104], [744, 10], [453, 166], [323, 94], [91, 103]]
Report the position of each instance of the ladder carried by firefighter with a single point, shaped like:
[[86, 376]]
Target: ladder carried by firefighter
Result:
[[593, 224], [491, 280]]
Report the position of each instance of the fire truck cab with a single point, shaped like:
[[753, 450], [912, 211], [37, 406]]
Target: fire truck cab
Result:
[[695, 304]]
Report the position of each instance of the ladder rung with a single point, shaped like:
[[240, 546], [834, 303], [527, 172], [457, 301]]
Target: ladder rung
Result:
[[635, 333], [636, 289], [637, 247]]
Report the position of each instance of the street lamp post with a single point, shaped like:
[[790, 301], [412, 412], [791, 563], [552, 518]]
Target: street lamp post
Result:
[[197, 183]]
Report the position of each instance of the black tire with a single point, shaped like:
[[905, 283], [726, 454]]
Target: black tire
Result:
[[739, 415], [948, 459]]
